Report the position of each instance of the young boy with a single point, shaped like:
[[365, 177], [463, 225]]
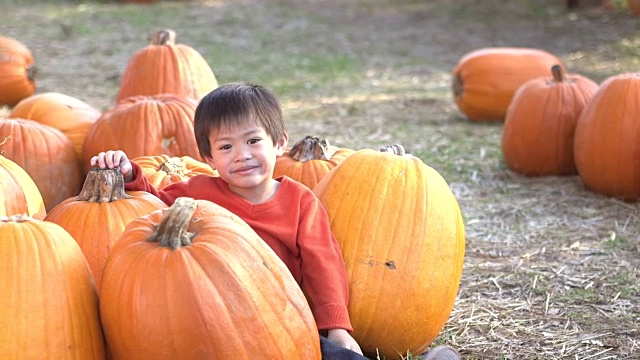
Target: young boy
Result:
[[240, 131]]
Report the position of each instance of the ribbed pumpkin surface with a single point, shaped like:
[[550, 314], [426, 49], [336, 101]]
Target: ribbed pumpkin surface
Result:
[[18, 193], [164, 170], [49, 302], [607, 139], [226, 295], [403, 240], [18, 70]]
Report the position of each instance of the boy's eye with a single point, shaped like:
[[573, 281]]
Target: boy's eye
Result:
[[253, 141], [225, 147]]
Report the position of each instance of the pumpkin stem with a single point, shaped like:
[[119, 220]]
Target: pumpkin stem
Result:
[[311, 148], [163, 37], [31, 73], [174, 166], [103, 185], [457, 86], [558, 75], [396, 149], [4, 141], [172, 230], [16, 218]]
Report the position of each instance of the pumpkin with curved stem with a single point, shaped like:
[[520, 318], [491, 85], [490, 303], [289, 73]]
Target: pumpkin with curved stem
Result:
[[18, 71], [163, 170], [164, 67], [485, 80], [539, 128], [72, 116], [46, 154], [49, 301], [606, 141], [98, 215], [144, 126], [196, 282], [402, 237], [309, 159], [18, 193]]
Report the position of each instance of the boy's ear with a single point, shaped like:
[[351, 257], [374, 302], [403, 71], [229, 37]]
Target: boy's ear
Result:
[[209, 161], [282, 144]]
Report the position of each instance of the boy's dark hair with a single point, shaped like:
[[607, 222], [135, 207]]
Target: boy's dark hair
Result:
[[233, 104]]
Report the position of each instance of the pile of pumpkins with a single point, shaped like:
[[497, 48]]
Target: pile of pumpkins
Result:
[[91, 271], [555, 123]]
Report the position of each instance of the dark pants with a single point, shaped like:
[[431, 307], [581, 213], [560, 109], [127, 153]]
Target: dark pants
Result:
[[333, 351]]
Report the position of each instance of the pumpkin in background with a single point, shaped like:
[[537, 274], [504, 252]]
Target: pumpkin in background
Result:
[[402, 237], [17, 71], [49, 302], [634, 7], [166, 67], [46, 154], [540, 124], [164, 170], [485, 80], [18, 193], [606, 144], [98, 215], [309, 159], [144, 126], [72, 116], [195, 281]]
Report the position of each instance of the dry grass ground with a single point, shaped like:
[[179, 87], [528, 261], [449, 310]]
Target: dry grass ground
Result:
[[551, 269]]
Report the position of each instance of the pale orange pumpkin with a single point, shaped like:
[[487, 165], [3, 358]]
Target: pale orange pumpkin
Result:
[[70, 115], [606, 141], [17, 69], [402, 237], [309, 159], [98, 215], [49, 302], [46, 154], [195, 281], [539, 128], [144, 126], [164, 67], [485, 80], [164, 170], [18, 193]]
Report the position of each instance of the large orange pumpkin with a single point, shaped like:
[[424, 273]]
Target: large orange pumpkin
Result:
[[164, 170], [17, 71], [402, 237], [46, 154], [18, 193], [72, 116], [194, 281], [485, 80], [98, 215], [166, 67], [309, 159], [49, 302], [540, 124], [144, 126], [606, 144]]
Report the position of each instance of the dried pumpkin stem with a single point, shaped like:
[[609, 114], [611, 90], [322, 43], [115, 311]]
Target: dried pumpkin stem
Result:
[[172, 230], [311, 148], [396, 149], [556, 71], [103, 186], [163, 37], [174, 166]]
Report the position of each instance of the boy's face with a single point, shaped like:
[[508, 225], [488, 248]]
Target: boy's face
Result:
[[245, 157]]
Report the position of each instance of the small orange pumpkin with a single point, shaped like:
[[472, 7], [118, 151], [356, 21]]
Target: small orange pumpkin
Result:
[[485, 80], [72, 116], [18, 71], [309, 159], [164, 67], [98, 215], [539, 128], [186, 277], [49, 302], [163, 170], [402, 237], [606, 140]]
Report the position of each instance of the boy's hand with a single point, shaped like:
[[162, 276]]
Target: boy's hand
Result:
[[344, 339], [112, 159]]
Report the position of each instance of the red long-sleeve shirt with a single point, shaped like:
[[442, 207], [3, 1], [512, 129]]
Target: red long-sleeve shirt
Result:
[[294, 224]]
